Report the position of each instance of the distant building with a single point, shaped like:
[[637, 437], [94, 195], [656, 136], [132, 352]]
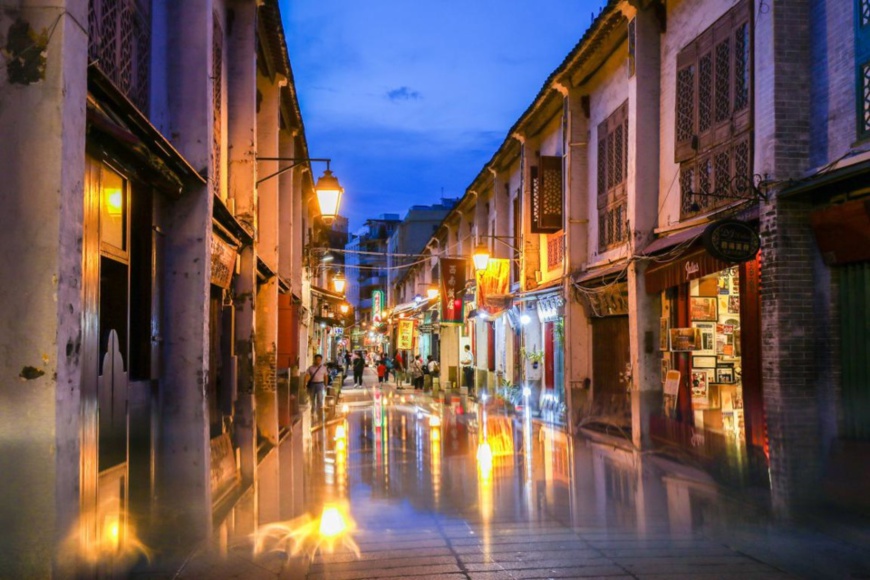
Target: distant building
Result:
[[366, 270], [410, 238]]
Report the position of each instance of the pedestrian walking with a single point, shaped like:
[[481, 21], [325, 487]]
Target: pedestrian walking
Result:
[[417, 373], [358, 366], [382, 371], [467, 363], [315, 382], [400, 368]]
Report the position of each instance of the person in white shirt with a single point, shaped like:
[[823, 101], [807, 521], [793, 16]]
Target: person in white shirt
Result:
[[467, 363], [315, 381]]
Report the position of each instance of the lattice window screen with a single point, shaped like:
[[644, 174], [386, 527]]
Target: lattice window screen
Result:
[[217, 102], [547, 196], [119, 43], [612, 161]]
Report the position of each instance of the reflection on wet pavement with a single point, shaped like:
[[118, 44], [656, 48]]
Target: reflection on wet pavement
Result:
[[424, 489]]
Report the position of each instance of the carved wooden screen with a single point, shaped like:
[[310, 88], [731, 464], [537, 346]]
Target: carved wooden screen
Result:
[[862, 65], [713, 112], [612, 175], [547, 196], [119, 43]]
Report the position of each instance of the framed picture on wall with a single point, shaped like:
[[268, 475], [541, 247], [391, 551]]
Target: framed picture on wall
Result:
[[704, 362], [685, 339], [703, 308], [700, 385], [725, 375], [708, 337], [666, 366]]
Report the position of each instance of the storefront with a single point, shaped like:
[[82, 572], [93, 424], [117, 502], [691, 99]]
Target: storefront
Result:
[[711, 358]]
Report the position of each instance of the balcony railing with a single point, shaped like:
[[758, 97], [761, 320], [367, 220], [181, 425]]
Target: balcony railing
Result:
[[119, 43]]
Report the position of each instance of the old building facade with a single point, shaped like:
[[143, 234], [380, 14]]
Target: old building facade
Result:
[[163, 262]]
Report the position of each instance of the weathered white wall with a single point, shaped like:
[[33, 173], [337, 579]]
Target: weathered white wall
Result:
[[42, 162]]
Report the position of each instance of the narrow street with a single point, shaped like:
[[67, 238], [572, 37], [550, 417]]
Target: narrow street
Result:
[[419, 500]]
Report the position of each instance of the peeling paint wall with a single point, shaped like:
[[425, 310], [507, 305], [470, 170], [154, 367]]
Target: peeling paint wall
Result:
[[42, 60]]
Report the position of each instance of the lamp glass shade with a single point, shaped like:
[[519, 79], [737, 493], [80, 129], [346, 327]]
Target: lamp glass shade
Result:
[[480, 257], [328, 195], [344, 308], [338, 282], [432, 293]]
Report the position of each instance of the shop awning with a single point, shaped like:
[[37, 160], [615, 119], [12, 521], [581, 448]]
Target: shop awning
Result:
[[671, 240], [599, 275], [691, 266]]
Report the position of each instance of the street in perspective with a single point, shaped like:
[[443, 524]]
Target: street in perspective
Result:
[[435, 290]]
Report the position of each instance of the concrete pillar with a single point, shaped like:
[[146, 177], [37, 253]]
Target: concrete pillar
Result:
[[42, 155], [642, 185], [577, 341], [184, 495], [265, 383], [241, 87]]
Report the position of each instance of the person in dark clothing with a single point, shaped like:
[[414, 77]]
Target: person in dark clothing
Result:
[[359, 364]]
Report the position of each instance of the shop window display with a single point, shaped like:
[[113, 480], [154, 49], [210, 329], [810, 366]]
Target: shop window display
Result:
[[712, 343]]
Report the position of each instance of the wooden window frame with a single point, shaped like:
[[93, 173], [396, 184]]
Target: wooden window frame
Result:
[[713, 107], [612, 179], [547, 195], [862, 69]]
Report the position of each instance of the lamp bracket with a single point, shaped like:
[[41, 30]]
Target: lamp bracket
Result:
[[739, 188], [295, 161]]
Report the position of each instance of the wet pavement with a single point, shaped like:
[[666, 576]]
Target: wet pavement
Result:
[[416, 490]]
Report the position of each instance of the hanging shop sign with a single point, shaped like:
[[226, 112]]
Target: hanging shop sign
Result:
[[550, 308], [492, 285], [731, 241], [608, 300], [452, 289], [406, 335], [223, 262], [377, 304]]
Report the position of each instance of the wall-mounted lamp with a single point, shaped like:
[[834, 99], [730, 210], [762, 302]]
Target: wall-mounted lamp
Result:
[[328, 189], [339, 283], [432, 293]]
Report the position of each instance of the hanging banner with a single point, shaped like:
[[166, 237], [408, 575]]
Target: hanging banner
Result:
[[377, 304], [492, 286], [452, 290], [223, 262], [406, 335]]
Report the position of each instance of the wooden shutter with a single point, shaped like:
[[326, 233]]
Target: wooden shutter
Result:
[[547, 210], [862, 66], [685, 141]]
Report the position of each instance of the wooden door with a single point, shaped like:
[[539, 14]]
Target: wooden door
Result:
[[610, 359]]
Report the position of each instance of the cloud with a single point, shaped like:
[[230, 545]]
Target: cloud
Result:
[[403, 94]]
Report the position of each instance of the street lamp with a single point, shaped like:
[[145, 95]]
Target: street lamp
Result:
[[339, 282], [328, 189], [329, 193], [480, 257], [432, 292], [344, 308]]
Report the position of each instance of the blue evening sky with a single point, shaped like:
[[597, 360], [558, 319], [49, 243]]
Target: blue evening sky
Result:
[[411, 97]]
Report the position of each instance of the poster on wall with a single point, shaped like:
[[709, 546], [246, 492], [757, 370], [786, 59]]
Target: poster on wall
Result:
[[671, 391], [664, 333], [703, 308], [700, 385], [406, 335], [708, 337], [685, 339], [452, 290]]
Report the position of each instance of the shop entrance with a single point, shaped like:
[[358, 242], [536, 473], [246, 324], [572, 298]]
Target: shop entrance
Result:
[[610, 359]]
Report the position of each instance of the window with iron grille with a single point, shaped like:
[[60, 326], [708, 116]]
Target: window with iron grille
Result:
[[217, 103], [546, 190], [612, 174], [555, 251], [119, 44], [713, 117], [862, 66]]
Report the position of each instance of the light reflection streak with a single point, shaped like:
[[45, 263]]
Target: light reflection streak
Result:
[[104, 539], [308, 535]]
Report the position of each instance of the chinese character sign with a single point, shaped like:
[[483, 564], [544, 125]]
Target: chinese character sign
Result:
[[377, 305], [406, 335], [452, 290]]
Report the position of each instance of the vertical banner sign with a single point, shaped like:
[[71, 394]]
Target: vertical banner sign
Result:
[[377, 305], [452, 290], [406, 335]]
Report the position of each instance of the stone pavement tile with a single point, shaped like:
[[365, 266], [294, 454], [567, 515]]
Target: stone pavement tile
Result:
[[544, 573], [582, 557], [666, 552], [397, 543], [693, 565], [724, 575], [509, 547], [382, 564], [381, 554], [551, 570], [404, 572], [512, 539]]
